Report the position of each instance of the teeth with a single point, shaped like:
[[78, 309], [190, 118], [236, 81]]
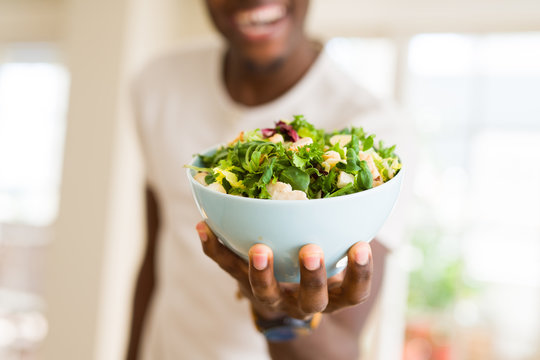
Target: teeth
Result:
[[261, 15]]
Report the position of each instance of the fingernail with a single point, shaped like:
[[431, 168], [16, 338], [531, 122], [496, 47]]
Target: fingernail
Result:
[[312, 261], [361, 256], [202, 232], [260, 261]]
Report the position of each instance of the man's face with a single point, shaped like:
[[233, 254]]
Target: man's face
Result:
[[262, 32]]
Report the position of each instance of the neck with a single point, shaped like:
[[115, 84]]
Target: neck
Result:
[[253, 84]]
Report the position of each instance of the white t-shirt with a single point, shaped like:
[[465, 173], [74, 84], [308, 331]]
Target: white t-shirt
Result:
[[182, 107]]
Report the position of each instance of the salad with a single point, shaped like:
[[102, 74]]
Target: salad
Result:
[[295, 161]]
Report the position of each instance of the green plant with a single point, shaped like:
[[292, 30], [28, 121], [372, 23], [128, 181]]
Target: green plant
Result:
[[438, 279]]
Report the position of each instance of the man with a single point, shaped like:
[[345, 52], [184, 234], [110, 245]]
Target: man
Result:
[[184, 305]]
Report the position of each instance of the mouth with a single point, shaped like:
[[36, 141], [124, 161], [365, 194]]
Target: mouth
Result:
[[260, 22]]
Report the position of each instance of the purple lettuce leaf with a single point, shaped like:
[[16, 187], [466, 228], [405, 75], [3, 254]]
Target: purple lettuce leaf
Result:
[[287, 130], [281, 128], [268, 132]]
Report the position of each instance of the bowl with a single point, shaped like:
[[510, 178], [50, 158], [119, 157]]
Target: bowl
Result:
[[334, 224]]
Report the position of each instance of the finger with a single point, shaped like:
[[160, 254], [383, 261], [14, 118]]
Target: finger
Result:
[[225, 258], [335, 281], [264, 286], [313, 294], [357, 282]]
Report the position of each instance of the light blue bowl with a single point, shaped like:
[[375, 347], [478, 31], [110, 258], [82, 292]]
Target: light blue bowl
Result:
[[335, 224]]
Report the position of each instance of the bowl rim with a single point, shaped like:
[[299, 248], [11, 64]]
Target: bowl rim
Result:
[[195, 183]]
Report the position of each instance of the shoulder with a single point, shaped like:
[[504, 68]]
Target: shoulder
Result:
[[168, 84], [348, 102], [345, 95], [342, 87], [177, 68]]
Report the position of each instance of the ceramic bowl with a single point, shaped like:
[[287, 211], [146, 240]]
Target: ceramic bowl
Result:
[[334, 224]]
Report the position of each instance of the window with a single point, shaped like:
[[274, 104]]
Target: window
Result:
[[33, 99], [475, 102]]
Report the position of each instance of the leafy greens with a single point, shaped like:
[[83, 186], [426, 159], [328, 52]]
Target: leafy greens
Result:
[[306, 158]]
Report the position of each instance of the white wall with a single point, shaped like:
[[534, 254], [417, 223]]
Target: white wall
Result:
[[31, 20], [91, 262], [397, 17], [77, 255]]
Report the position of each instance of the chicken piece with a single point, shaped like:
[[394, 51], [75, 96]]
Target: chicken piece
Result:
[[278, 187], [217, 187], [199, 177], [377, 178], [377, 181], [300, 143], [344, 179], [331, 158], [284, 191], [334, 155], [293, 195], [343, 140], [276, 138]]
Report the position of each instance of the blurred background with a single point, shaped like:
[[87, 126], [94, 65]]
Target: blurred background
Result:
[[467, 73]]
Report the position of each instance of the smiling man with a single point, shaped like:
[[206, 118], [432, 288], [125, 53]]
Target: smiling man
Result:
[[185, 305], [268, 51]]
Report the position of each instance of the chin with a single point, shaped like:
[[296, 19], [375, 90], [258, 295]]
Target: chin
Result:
[[265, 58]]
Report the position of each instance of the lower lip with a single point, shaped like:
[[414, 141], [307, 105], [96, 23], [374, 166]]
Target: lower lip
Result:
[[261, 33]]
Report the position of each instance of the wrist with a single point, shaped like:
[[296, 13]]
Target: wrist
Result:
[[262, 312], [284, 328]]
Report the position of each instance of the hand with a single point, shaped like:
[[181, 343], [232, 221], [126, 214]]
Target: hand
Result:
[[315, 293]]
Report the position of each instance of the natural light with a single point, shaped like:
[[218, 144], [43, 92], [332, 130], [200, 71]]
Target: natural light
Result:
[[33, 100], [474, 99]]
